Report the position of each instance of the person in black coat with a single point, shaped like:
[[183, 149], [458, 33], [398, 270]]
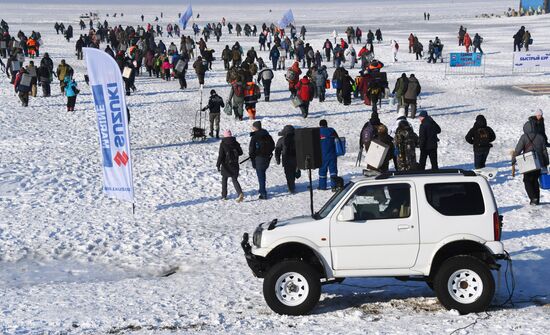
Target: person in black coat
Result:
[[286, 148], [228, 163], [347, 89], [428, 132], [215, 104], [518, 39], [260, 153], [480, 136]]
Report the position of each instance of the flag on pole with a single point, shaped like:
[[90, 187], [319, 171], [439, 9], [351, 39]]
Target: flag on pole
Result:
[[112, 122], [287, 19], [188, 14]]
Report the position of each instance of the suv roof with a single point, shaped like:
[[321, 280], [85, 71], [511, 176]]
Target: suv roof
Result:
[[369, 175]]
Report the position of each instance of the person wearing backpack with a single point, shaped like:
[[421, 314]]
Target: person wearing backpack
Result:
[[228, 164], [21, 89], [215, 104], [528, 142], [260, 153], [320, 82], [406, 142], [286, 149], [329, 157], [236, 96], [293, 77], [480, 136], [305, 92], [265, 76], [427, 134], [251, 96], [369, 131], [274, 55], [200, 70]]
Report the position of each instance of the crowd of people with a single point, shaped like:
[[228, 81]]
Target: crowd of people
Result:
[[139, 51]]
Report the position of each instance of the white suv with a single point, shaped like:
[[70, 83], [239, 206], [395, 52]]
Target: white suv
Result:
[[441, 227]]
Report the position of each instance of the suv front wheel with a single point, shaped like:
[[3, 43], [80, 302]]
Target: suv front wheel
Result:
[[292, 288], [464, 283]]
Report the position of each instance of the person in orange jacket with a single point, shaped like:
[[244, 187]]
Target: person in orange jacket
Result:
[[295, 78], [467, 42], [31, 44]]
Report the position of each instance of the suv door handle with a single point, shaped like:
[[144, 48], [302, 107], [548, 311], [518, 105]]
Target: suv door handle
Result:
[[404, 227]]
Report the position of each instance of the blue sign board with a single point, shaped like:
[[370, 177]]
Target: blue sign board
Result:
[[462, 59]]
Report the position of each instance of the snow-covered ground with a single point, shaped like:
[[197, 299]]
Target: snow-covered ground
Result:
[[73, 261]]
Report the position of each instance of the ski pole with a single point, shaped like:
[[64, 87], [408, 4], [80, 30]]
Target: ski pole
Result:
[[246, 159]]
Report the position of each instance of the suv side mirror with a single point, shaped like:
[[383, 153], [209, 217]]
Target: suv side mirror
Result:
[[346, 214]]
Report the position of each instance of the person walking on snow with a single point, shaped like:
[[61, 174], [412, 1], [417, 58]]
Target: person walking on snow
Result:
[[428, 132], [228, 164], [528, 142], [285, 153], [480, 136], [215, 104], [260, 153]]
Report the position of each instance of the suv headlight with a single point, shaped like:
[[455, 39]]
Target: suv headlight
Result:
[[257, 237]]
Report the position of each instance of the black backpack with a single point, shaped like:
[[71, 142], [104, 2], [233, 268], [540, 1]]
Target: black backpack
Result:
[[484, 136], [232, 155], [265, 146]]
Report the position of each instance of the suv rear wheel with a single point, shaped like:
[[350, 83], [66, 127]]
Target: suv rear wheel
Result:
[[464, 283], [292, 288]]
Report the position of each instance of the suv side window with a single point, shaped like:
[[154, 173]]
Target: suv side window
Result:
[[455, 199], [377, 202]]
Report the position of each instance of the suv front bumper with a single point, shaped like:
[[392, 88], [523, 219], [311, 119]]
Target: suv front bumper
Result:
[[257, 264]]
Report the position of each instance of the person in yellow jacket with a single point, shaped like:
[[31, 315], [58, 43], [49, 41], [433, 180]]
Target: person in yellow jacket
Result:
[[63, 70]]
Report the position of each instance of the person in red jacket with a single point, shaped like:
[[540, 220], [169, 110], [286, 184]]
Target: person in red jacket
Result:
[[305, 93], [467, 42], [293, 77], [411, 43]]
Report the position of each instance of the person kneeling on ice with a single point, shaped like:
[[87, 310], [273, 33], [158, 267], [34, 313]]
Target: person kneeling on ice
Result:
[[215, 104], [228, 163], [260, 153], [286, 147], [328, 152]]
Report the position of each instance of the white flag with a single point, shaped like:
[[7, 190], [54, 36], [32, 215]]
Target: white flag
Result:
[[114, 139]]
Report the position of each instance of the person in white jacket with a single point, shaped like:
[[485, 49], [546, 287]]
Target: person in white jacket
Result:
[[400, 117], [352, 56], [394, 49], [335, 35]]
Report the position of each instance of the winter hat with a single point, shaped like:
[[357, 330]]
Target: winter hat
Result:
[[323, 123], [538, 112], [212, 92], [401, 112], [257, 125], [227, 133], [422, 114]]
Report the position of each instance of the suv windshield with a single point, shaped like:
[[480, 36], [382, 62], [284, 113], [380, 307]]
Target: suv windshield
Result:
[[333, 201]]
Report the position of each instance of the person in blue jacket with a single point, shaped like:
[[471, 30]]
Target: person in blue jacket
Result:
[[328, 152]]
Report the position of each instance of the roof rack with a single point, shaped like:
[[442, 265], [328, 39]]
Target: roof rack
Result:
[[386, 175]]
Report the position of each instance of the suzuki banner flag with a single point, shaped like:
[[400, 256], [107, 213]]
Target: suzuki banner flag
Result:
[[462, 59], [532, 59], [185, 17], [114, 139], [287, 19]]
